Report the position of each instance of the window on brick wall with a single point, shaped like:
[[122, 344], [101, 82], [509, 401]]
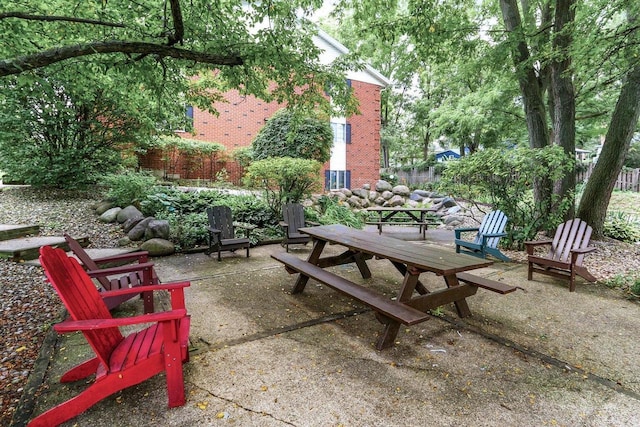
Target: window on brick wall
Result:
[[336, 179], [341, 132]]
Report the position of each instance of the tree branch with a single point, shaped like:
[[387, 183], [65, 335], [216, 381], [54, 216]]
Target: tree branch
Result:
[[178, 25], [29, 17], [52, 56]]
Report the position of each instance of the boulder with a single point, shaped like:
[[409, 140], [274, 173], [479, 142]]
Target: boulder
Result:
[[373, 195], [354, 202], [366, 187], [453, 220], [361, 192], [346, 192], [131, 222], [395, 201], [104, 206], [401, 190], [382, 186], [158, 228], [158, 247], [422, 193], [380, 201], [110, 215], [416, 197], [137, 232], [453, 210], [338, 195], [365, 203], [387, 195], [128, 213], [448, 202]]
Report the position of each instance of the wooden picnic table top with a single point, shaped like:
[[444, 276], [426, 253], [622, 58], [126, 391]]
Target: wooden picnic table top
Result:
[[431, 258]]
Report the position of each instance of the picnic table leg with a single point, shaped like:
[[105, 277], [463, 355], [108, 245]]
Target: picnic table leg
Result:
[[461, 305], [420, 288], [391, 328], [314, 256]]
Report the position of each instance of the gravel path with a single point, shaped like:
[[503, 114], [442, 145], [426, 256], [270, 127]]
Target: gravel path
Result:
[[29, 306]]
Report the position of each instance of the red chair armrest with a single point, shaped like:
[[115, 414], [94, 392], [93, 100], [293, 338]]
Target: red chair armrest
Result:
[[118, 270], [94, 324], [141, 257]]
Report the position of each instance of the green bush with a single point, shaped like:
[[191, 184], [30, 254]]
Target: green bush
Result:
[[283, 180], [332, 212], [621, 227], [187, 231], [129, 188], [504, 178], [288, 135]]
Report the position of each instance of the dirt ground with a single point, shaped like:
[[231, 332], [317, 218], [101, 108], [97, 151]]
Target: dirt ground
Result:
[[263, 357]]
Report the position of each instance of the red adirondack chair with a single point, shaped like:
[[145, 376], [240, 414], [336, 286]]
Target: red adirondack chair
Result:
[[120, 277], [120, 362], [566, 252]]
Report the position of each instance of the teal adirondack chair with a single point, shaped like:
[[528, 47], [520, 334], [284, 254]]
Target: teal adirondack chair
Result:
[[486, 239]]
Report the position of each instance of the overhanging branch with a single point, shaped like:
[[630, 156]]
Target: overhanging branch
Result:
[[52, 56]]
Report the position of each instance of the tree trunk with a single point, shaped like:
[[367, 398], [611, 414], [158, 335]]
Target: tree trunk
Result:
[[564, 101], [597, 192], [531, 94]]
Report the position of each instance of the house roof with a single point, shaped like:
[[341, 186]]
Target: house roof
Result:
[[333, 49]]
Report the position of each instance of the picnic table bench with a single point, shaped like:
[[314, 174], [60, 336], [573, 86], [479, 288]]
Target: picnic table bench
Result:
[[413, 300], [421, 217]]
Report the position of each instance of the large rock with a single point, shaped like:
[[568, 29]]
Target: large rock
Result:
[[373, 195], [354, 202], [401, 190], [158, 247], [361, 192], [346, 192], [382, 186], [104, 206], [395, 201], [387, 195], [416, 197], [131, 222], [423, 193], [137, 232], [366, 187], [128, 213], [110, 215], [158, 228], [449, 202]]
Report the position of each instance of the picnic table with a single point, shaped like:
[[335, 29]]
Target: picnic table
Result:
[[422, 217], [413, 300]]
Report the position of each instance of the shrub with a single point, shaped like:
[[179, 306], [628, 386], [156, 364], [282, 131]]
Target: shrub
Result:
[[332, 212], [288, 135], [621, 227], [283, 180], [505, 179], [129, 188]]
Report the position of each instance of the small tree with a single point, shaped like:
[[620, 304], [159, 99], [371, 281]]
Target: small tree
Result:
[[505, 180], [283, 179], [289, 135]]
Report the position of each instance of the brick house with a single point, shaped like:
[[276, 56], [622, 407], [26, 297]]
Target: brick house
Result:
[[355, 155]]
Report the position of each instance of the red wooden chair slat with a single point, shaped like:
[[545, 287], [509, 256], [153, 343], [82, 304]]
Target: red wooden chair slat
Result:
[[120, 362]]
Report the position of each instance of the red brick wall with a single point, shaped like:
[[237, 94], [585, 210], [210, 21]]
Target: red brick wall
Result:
[[363, 154], [242, 117]]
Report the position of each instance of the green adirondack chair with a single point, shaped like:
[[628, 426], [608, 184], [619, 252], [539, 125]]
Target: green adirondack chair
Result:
[[486, 238]]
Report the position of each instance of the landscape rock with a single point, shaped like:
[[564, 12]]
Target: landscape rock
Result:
[[382, 186], [354, 202], [401, 190], [158, 228], [361, 192], [448, 202], [158, 247], [103, 206], [110, 215], [416, 197], [137, 232], [131, 222], [387, 195], [453, 210], [366, 187], [395, 201], [128, 213]]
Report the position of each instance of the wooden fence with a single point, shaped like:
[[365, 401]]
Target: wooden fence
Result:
[[628, 180]]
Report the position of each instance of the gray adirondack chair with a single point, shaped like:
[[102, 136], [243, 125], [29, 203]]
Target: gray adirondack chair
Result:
[[566, 252], [293, 219], [222, 234], [486, 238]]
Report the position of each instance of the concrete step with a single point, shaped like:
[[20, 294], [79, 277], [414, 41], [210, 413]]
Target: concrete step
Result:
[[15, 231], [27, 248]]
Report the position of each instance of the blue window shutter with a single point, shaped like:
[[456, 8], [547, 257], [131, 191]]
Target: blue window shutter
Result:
[[189, 112], [348, 133], [349, 82], [327, 179], [347, 179]]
